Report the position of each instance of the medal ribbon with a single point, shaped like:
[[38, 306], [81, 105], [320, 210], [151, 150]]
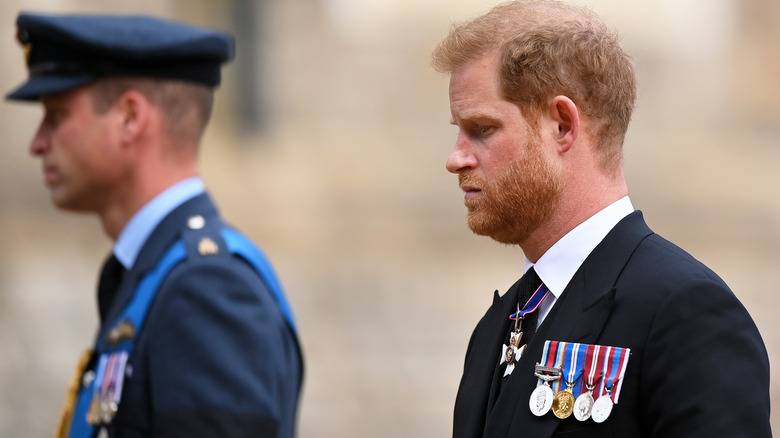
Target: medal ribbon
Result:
[[588, 366], [606, 372], [532, 304], [576, 356], [560, 360], [549, 353], [594, 366], [623, 363], [615, 363]]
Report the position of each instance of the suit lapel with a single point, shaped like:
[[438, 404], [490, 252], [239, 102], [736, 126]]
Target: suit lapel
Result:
[[578, 316], [479, 384]]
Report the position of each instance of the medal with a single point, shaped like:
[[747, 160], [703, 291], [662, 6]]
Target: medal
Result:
[[615, 362], [107, 388], [583, 406], [511, 353], [542, 397], [594, 362], [602, 408], [547, 371], [593, 375], [563, 403]]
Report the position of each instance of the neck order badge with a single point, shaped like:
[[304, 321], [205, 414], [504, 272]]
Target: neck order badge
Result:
[[511, 353]]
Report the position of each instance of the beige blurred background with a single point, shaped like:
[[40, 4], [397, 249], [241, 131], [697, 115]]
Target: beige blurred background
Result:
[[328, 148]]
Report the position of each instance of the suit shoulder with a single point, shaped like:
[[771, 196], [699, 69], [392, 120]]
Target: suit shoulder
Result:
[[659, 258]]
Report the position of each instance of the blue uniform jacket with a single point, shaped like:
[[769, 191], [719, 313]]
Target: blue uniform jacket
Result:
[[215, 357]]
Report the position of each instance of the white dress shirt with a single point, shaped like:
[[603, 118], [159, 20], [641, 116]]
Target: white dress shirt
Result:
[[558, 265]]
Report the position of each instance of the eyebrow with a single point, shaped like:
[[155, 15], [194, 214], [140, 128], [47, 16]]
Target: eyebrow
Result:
[[470, 116]]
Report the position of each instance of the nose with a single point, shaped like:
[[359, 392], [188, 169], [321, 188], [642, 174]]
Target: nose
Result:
[[40, 142], [461, 158]]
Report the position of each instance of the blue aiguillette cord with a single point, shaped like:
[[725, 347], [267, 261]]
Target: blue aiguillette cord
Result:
[[136, 311]]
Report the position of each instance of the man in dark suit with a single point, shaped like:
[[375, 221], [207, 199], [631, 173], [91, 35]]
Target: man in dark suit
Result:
[[542, 93], [196, 338]]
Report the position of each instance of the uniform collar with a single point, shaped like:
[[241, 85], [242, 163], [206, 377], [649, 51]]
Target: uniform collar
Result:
[[134, 235]]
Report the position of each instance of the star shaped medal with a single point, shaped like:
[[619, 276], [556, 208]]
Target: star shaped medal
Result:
[[512, 352]]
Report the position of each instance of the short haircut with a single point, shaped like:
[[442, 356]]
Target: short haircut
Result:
[[547, 48], [186, 106]]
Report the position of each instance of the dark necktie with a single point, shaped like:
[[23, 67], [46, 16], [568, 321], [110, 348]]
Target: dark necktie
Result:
[[529, 283], [110, 278]]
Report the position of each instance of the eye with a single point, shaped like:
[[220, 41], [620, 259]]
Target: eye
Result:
[[52, 116], [483, 130]]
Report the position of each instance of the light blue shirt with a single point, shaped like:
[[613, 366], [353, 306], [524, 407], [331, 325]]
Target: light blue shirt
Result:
[[134, 235], [557, 266]]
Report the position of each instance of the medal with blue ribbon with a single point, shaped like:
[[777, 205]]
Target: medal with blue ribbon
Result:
[[591, 373], [615, 362], [563, 402], [512, 352], [587, 371]]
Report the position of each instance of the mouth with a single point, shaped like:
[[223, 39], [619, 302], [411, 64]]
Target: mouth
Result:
[[470, 191], [49, 174]]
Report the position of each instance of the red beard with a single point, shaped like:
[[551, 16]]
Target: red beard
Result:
[[512, 207]]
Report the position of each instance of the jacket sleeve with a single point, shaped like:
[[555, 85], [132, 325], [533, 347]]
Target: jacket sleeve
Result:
[[706, 370], [222, 361]]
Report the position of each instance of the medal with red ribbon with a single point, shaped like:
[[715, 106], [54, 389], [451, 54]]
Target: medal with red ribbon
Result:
[[615, 363], [588, 371]]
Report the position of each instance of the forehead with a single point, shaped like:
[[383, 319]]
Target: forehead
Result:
[[474, 90], [66, 97]]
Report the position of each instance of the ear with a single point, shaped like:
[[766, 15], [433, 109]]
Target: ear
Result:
[[134, 111], [564, 112]]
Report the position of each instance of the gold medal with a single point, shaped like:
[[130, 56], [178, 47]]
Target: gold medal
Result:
[[563, 403]]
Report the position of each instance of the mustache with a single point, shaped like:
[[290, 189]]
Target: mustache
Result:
[[468, 179]]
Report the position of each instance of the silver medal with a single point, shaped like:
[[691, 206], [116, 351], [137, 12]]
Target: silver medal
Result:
[[602, 408], [583, 406], [542, 397], [541, 400]]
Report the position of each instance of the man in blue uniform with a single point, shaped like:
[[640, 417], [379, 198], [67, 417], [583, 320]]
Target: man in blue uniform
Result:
[[613, 330], [196, 338]]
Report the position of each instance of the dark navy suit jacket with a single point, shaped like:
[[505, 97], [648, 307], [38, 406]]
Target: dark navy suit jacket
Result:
[[215, 357], [698, 366]]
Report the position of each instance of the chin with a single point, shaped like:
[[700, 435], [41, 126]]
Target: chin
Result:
[[501, 233]]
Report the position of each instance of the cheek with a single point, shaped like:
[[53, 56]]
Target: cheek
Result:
[[497, 159]]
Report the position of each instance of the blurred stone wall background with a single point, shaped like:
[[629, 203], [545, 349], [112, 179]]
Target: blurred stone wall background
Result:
[[328, 148]]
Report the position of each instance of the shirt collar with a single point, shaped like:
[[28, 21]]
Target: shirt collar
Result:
[[558, 265], [141, 225]]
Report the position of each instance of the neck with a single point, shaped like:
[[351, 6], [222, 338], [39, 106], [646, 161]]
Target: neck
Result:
[[579, 202], [125, 205]]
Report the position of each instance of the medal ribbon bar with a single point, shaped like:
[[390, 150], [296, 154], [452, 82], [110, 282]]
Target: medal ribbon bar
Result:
[[595, 369]]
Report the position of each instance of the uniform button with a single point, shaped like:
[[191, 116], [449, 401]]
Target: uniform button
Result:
[[196, 222]]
